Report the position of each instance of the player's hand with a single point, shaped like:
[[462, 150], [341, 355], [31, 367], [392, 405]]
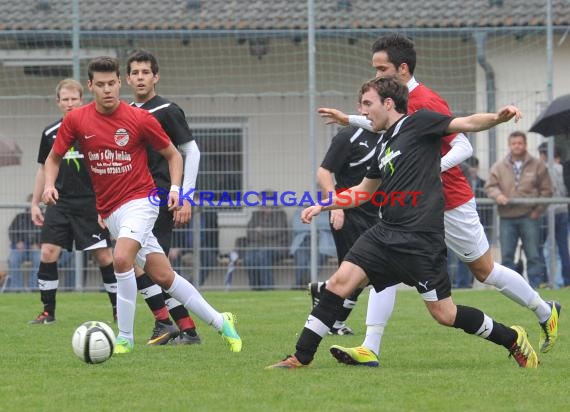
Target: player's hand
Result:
[[101, 222], [308, 214], [50, 195], [508, 112], [183, 216], [333, 116], [337, 219], [173, 204], [37, 215]]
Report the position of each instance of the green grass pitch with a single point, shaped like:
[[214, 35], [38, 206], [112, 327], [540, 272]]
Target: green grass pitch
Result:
[[424, 366]]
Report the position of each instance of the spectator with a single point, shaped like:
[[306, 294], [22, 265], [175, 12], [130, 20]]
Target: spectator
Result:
[[520, 175], [24, 247], [560, 211], [267, 242], [301, 246]]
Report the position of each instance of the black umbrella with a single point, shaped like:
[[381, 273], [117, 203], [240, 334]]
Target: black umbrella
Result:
[[555, 119]]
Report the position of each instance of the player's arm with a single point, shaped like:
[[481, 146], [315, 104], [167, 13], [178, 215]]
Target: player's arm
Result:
[[460, 151], [191, 165], [483, 121], [332, 116], [39, 184], [51, 170], [326, 183], [350, 198], [174, 160]]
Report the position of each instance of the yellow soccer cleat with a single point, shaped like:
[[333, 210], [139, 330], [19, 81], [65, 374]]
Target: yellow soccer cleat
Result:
[[122, 346], [358, 356], [522, 350], [549, 329], [229, 333]]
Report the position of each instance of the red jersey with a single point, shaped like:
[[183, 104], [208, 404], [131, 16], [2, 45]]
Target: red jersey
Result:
[[114, 146], [456, 188]]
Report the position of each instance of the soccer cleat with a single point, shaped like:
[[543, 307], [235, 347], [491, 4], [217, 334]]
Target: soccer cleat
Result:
[[290, 362], [229, 333], [162, 333], [43, 318], [549, 329], [122, 346], [358, 356], [187, 338], [343, 330], [522, 350], [315, 292]]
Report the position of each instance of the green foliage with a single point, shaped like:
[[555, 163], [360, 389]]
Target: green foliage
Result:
[[424, 366]]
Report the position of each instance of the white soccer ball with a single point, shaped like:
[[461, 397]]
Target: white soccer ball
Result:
[[93, 342]]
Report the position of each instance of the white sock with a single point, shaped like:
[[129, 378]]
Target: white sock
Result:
[[516, 288], [126, 303], [380, 307], [188, 295]]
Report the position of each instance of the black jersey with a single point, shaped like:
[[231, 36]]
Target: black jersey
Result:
[[349, 157], [407, 160], [173, 120], [73, 182]]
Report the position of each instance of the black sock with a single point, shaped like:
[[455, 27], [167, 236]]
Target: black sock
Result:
[[110, 284], [326, 312], [473, 321], [48, 280], [177, 312], [152, 294], [348, 305]]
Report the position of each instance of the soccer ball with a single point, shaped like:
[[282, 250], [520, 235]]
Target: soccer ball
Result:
[[93, 342]]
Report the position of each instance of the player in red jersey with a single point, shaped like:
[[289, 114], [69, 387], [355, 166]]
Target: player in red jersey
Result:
[[114, 138], [394, 55]]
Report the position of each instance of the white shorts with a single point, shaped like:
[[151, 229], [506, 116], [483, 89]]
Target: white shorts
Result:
[[135, 220], [464, 233]]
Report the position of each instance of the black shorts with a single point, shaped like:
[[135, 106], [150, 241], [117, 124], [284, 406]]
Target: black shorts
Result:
[[355, 224], [162, 229], [62, 227], [418, 259]]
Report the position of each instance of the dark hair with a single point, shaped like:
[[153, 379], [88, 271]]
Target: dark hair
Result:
[[142, 56], [558, 152], [399, 48], [389, 87], [103, 64], [518, 133]]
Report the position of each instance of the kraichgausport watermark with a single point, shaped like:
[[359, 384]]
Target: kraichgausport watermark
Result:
[[159, 197]]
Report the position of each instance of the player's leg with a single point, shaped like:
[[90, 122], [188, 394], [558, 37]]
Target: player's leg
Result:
[[163, 330], [341, 284], [55, 235], [163, 232], [379, 311], [355, 224], [90, 236], [475, 322], [157, 266], [465, 236]]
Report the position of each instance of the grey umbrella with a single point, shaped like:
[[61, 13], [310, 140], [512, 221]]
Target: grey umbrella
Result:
[[10, 153], [555, 119]]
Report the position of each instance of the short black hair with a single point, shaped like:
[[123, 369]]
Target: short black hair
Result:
[[399, 48], [141, 56], [103, 64]]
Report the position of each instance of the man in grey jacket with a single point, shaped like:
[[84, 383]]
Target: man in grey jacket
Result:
[[520, 175]]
